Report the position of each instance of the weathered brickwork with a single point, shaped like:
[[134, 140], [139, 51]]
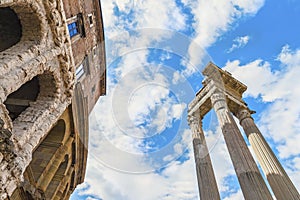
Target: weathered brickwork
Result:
[[43, 146]]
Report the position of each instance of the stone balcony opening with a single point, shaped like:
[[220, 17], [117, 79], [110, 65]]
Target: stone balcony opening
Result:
[[10, 28], [19, 100], [33, 96], [46, 151], [22, 33]]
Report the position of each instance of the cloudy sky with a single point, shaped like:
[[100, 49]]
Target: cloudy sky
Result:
[[140, 143]]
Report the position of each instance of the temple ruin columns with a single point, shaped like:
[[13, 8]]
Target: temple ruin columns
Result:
[[207, 184], [279, 181], [250, 179]]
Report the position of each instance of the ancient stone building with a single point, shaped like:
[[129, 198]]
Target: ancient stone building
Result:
[[52, 71], [223, 93]]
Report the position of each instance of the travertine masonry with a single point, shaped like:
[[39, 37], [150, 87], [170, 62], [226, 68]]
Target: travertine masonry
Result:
[[44, 50]]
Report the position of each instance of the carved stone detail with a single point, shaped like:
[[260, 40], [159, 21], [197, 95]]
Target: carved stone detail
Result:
[[51, 52], [56, 15]]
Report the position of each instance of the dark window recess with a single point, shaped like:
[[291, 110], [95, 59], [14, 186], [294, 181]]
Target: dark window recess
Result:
[[86, 65], [19, 100], [91, 20], [81, 25], [10, 28], [93, 89], [73, 153]]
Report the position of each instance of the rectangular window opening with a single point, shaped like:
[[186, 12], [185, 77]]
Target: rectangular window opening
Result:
[[73, 29], [90, 17], [79, 72]]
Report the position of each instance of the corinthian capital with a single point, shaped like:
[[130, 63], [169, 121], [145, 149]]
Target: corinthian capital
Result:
[[244, 113], [195, 125]]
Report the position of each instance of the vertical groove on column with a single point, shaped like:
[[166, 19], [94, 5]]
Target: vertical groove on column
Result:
[[279, 181], [208, 189], [250, 179]]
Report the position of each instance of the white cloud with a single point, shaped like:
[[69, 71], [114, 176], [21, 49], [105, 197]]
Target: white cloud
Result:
[[213, 18], [175, 182], [239, 42], [139, 95], [257, 75]]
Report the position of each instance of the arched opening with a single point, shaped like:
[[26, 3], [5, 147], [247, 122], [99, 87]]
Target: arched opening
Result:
[[19, 100], [58, 177], [46, 150], [10, 28], [23, 28], [41, 87]]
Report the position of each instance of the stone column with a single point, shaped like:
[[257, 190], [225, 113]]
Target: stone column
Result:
[[279, 181], [208, 189], [250, 179]]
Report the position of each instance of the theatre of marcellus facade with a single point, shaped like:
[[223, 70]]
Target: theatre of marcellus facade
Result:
[[52, 71]]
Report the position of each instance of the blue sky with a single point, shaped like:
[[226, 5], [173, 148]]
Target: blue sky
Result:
[[140, 144]]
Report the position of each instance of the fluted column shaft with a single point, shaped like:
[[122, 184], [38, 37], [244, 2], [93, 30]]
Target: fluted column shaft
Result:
[[250, 179], [279, 181], [208, 189]]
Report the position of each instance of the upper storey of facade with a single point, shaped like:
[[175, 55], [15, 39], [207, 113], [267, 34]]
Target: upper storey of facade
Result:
[[85, 28]]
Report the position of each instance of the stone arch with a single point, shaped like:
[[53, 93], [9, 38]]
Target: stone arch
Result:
[[46, 150], [58, 177], [26, 20], [40, 88], [30, 28], [19, 100]]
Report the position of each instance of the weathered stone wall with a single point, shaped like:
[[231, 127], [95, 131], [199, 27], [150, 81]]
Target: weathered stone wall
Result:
[[44, 50]]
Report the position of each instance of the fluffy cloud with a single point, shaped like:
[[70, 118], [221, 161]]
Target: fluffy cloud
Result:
[[239, 42], [257, 75], [146, 97], [174, 182], [213, 18]]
